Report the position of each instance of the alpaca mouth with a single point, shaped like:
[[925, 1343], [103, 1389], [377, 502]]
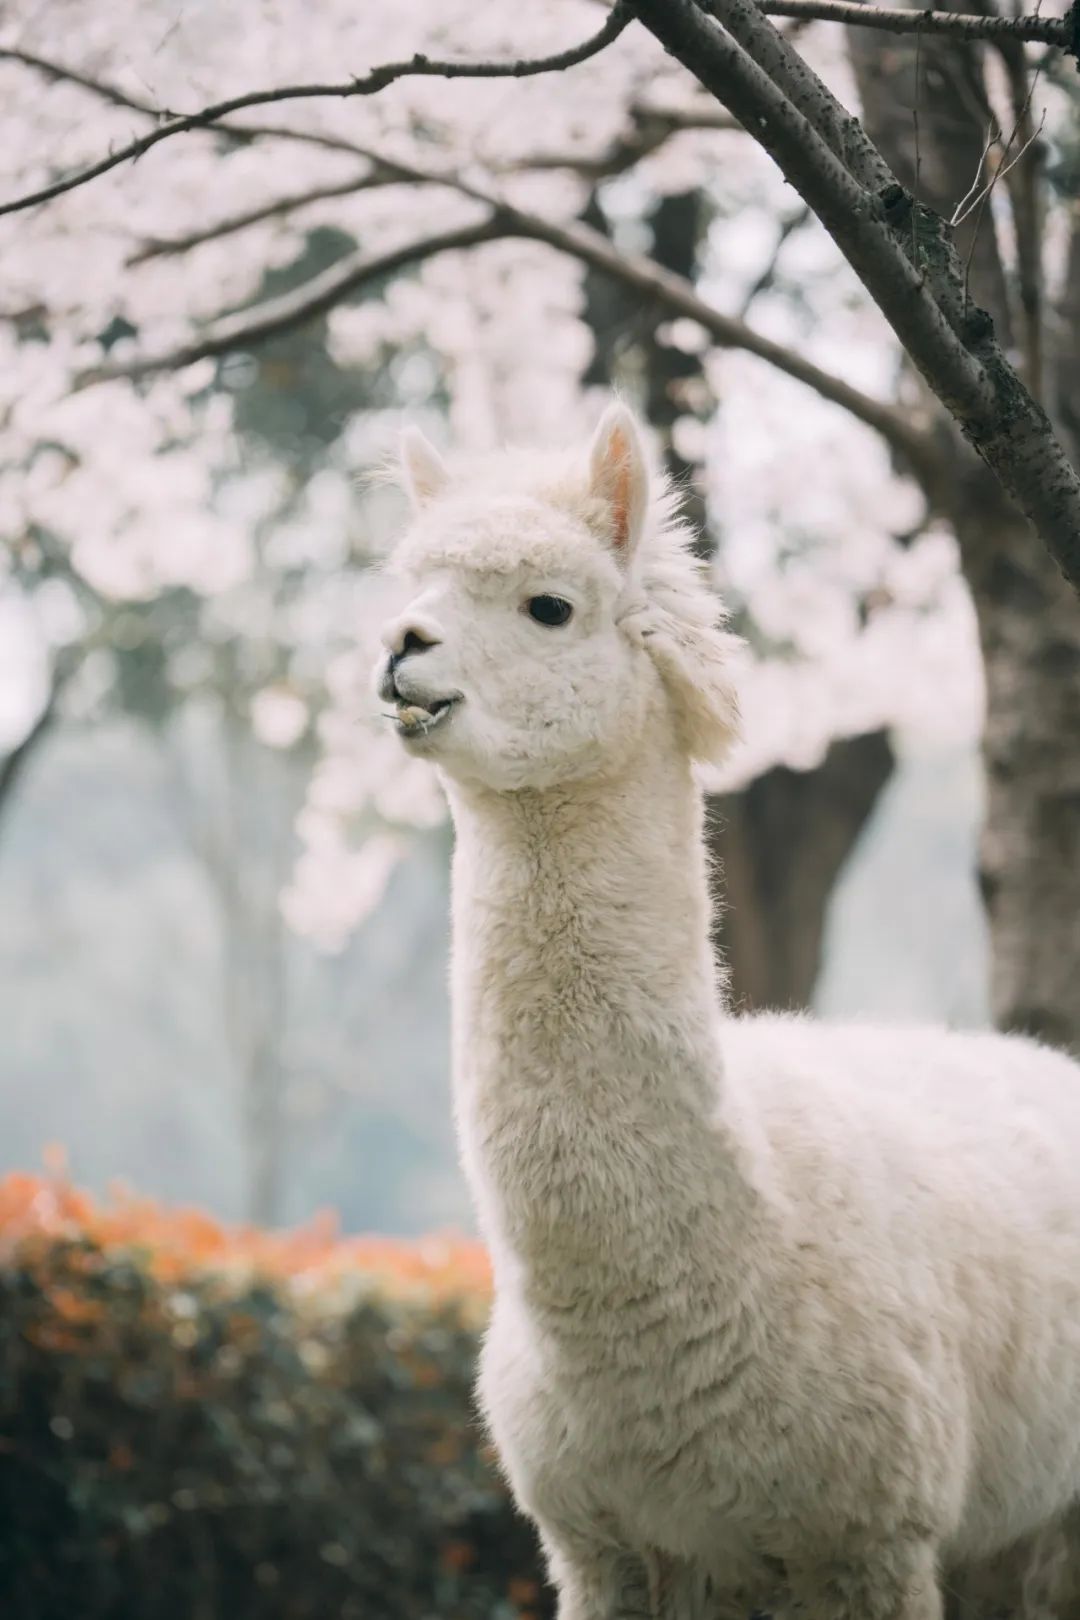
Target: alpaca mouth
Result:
[[418, 720]]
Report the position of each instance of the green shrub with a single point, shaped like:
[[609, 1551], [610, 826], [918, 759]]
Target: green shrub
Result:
[[195, 1447]]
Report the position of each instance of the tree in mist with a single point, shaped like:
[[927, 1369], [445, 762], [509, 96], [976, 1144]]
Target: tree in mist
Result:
[[939, 201]]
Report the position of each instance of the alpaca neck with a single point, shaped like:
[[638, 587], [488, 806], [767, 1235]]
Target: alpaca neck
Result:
[[586, 1040], [583, 911]]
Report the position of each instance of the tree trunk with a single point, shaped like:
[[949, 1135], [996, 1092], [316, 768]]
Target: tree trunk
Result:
[[15, 762], [780, 845], [1029, 629], [249, 875], [233, 796], [1028, 617]]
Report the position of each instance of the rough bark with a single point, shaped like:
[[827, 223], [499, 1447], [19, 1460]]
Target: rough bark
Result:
[[1029, 619], [780, 845], [1029, 630], [901, 253], [1065, 346]]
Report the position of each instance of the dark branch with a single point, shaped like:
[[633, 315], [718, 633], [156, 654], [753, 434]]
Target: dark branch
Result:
[[316, 297], [241, 133], [160, 247], [368, 84], [649, 130], [829, 160], [1042, 30], [65, 75], [677, 296]]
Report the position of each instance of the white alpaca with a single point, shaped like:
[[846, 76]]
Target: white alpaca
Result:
[[780, 1308]]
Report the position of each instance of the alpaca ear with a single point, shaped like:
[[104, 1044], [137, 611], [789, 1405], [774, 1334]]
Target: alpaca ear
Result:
[[423, 468], [618, 477]]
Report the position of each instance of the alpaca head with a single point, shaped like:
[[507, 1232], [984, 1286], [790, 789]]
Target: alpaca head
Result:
[[554, 613]]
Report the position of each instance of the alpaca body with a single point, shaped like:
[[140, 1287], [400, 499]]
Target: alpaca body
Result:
[[779, 1308], [814, 1301], [892, 1363]]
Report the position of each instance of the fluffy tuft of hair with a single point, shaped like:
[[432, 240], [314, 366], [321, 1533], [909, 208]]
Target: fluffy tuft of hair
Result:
[[684, 628]]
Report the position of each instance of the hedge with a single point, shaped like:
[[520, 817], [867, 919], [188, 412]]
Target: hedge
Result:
[[205, 1424]]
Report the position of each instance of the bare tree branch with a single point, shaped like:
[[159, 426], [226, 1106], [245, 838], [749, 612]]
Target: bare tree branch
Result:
[[1055, 31], [650, 129], [163, 246], [60, 74], [1043, 30], [652, 126], [116, 97], [367, 84], [830, 162], [316, 297], [679, 297]]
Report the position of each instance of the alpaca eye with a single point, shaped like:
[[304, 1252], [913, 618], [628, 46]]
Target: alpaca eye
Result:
[[548, 609]]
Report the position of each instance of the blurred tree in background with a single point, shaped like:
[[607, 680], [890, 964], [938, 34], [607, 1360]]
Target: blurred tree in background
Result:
[[191, 393]]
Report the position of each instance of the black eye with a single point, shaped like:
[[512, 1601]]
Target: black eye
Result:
[[548, 609]]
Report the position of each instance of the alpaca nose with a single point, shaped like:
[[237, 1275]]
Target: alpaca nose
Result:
[[408, 641]]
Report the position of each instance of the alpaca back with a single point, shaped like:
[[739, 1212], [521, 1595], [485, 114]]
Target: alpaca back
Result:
[[934, 1177]]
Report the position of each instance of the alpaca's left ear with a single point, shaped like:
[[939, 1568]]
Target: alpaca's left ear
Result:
[[619, 479]]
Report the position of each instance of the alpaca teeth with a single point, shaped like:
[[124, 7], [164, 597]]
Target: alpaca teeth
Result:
[[413, 715]]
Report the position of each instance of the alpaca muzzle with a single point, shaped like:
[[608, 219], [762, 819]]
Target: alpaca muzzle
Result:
[[417, 712]]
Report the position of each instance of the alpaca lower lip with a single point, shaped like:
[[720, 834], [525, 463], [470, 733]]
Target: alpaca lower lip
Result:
[[419, 720]]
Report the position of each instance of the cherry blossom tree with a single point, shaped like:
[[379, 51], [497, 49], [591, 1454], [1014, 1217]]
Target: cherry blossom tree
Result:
[[471, 210]]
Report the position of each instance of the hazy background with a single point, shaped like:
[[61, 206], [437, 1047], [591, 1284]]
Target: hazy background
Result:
[[223, 900], [112, 1028]]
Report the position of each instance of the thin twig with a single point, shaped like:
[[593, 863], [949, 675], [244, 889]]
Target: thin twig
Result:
[[999, 174], [305, 303], [160, 247], [241, 133], [650, 129], [992, 135], [368, 84]]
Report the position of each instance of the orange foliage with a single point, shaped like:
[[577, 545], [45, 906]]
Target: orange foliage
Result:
[[175, 1243]]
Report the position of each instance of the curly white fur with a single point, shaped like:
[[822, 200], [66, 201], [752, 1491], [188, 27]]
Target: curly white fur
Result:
[[784, 1312]]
